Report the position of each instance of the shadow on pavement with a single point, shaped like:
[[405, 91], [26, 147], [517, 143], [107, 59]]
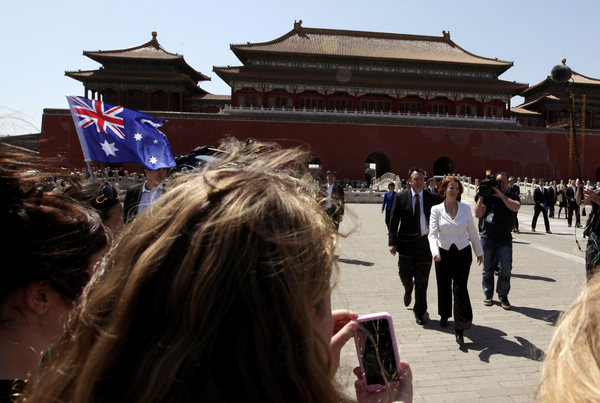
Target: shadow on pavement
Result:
[[489, 341], [547, 315], [356, 262], [530, 277]]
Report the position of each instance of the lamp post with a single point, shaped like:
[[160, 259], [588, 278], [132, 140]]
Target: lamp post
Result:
[[561, 73]]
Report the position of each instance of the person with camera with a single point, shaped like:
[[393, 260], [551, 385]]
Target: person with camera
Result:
[[496, 205], [540, 201], [592, 230]]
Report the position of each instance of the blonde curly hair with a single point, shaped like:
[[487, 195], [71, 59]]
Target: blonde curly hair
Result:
[[571, 370], [208, 294]]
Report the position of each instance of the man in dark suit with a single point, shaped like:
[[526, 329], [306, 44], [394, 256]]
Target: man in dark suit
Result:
[[408, 229], [540, 201], [572, 205], [552, 195], [333, 199], [139, 197]]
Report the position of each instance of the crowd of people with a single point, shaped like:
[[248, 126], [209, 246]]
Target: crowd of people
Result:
[[216, 285]]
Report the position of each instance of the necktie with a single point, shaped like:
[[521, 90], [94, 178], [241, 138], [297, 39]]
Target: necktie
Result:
[[418, 214]]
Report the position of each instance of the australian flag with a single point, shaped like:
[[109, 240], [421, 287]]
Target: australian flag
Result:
[[116, 134]]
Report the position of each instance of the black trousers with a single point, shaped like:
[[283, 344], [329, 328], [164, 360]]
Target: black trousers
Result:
[[573, 207], [452, 274], [414, 265], [536, 212], [387, 217]]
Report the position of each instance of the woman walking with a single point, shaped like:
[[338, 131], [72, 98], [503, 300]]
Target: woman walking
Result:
[[451, 227]]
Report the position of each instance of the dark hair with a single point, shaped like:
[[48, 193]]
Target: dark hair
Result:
[[101, 196], [49, 235], [392, 184], [417, 169], [446, 182]]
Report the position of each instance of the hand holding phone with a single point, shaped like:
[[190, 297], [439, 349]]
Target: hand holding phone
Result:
[[377, 351]]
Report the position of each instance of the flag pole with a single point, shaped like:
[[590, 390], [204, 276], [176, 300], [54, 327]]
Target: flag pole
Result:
[[90, 169]]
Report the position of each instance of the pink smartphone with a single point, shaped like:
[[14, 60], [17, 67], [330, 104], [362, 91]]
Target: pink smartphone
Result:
[[377, 350]]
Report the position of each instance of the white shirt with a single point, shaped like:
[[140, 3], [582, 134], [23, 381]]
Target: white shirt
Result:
[[444, 231], [424, 230], [329, 192], [149, 196]]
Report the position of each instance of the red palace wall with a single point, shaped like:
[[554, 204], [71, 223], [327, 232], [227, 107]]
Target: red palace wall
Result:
[[345, 147]]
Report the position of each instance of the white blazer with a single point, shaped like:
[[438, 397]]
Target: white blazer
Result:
[[444, 231]]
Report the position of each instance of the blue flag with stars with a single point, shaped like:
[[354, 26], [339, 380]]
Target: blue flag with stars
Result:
[[116, 134]]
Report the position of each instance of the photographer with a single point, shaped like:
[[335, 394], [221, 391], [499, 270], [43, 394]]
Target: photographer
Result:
[[592, 229], [497, 206]]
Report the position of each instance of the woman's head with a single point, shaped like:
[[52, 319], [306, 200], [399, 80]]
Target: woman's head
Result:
[[47, 245], [443, 188], [572, 365], [215, 286]]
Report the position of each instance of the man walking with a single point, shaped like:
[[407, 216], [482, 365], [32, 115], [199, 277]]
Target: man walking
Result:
[[540, 201], [408, 229], [572, 205], [388, 202], [333, 199], [552, 195], [497, 211]]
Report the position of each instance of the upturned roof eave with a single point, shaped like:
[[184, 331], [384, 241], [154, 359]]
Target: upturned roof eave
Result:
[[497, 68], [240, 49], [104, 55]]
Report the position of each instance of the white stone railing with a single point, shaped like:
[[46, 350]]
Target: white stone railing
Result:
[[381, 114]]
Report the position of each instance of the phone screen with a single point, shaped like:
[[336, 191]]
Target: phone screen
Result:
[[376, 350]]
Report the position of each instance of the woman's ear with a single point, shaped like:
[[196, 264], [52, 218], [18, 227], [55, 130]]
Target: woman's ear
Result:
[[36, 296]]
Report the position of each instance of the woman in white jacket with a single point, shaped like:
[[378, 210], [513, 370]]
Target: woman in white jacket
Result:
[[451, 227]]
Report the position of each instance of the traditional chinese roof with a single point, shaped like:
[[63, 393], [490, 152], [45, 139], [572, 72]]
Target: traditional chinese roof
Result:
[[519, 110], [576, 80], [149, 51], [368, 45]]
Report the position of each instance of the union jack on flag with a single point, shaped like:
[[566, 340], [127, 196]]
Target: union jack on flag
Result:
[[95, 114], [116, 134]]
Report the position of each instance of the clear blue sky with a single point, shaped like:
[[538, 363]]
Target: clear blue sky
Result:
[[42, 40]]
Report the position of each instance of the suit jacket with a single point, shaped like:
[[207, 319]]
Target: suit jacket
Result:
[[402, 220], [552, 195], [570, 194], [132, 200], [337, 200], [539, 196]]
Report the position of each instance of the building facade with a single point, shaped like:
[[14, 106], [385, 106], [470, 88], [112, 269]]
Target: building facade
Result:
[[360, 99]]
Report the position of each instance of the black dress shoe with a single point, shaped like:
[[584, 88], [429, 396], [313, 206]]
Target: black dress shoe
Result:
[[459, 337], [443, 322], [420, 319]]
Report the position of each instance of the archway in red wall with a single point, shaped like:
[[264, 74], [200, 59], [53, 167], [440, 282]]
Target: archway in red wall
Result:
[[443, 166], [377, 163], [598, 175]]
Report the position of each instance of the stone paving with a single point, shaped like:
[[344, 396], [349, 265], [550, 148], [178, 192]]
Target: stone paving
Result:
[[503, 351]]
